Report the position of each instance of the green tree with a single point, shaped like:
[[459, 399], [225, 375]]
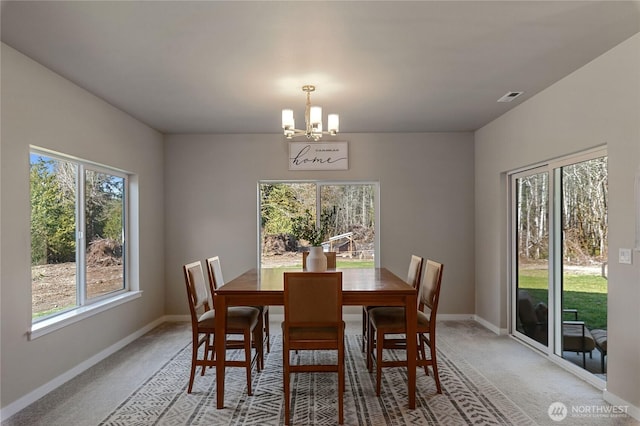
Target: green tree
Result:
[[113, 222], [280, 204], [53, 223]]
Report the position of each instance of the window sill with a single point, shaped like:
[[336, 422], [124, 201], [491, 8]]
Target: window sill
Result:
[[57, 322]]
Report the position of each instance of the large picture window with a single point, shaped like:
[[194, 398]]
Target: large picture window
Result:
[[351, 231], [78, 230]]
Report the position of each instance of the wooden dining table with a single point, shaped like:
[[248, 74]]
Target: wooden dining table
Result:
[[360, 287]]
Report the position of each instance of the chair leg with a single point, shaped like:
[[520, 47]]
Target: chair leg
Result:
[[365, 321], [287, 384], [370, 346], [266, 330], [422, 352], [379, 346], [247, 357], [434, 362], [207, 348], [194, 358], [258, 344], [341, 386]]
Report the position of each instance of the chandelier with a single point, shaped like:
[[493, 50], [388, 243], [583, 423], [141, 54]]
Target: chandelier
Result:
[[312, 119]]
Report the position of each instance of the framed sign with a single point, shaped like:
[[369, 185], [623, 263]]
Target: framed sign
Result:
[[318, 156]]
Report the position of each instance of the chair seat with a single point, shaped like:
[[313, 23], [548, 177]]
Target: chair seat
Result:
[[392, 318], [238, 317]]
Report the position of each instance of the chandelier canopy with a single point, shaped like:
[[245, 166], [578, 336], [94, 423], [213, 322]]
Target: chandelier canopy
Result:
[[313, 120]]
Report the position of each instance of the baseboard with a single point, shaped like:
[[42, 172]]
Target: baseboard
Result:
[[490, 326], [38, 393], [621, 405]]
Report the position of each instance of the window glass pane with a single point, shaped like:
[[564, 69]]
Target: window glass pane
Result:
[[53, 235], [584, 258], [279, 204], [532, 256], [104, 228], [352, 233]]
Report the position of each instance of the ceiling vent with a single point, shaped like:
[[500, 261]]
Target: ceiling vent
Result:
[[510, 96]]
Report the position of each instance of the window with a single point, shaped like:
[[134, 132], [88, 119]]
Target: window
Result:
[[78, 235], [353, 207]]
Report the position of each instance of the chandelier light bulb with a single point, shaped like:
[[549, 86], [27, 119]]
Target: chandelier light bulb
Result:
[[316, 116], [287, 119], [333, 124]]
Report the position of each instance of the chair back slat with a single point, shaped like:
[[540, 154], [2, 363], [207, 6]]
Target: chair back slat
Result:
[[430, 288], [415, 271], [214, 272], [197, 290]]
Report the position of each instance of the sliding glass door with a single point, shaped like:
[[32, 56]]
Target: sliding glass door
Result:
[[559, 257]]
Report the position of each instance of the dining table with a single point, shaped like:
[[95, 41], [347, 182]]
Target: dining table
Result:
[[360, 287]]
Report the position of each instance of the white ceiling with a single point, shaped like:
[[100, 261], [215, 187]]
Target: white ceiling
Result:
[[230, 67]]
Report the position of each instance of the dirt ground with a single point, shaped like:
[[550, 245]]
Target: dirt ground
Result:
[[53, 286]]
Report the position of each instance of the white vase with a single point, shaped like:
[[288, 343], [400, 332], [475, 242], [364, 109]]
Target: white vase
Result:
[[316, 261]]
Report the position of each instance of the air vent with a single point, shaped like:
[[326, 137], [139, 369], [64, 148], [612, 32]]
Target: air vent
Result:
[[510, 96]]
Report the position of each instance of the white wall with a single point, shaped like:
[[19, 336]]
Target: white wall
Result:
[[598, 104], [43, 109], [426, 202]]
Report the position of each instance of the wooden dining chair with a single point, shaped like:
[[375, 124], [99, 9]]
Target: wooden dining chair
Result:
[[384, 321], [241, 321], [216, 279], [313, 321], [414, 275], [331, 259]]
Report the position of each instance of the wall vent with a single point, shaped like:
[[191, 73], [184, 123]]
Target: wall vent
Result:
[[510, 96]]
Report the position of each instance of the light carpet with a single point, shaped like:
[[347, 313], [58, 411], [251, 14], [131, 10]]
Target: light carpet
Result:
[[467, 398]]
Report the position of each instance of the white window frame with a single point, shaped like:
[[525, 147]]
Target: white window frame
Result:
[[87, 307]]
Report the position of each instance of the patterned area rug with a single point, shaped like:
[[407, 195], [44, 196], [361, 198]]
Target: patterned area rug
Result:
[[467, 398]]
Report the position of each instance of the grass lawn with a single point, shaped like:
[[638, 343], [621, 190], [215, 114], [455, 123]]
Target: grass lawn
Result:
[[584, 292]]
